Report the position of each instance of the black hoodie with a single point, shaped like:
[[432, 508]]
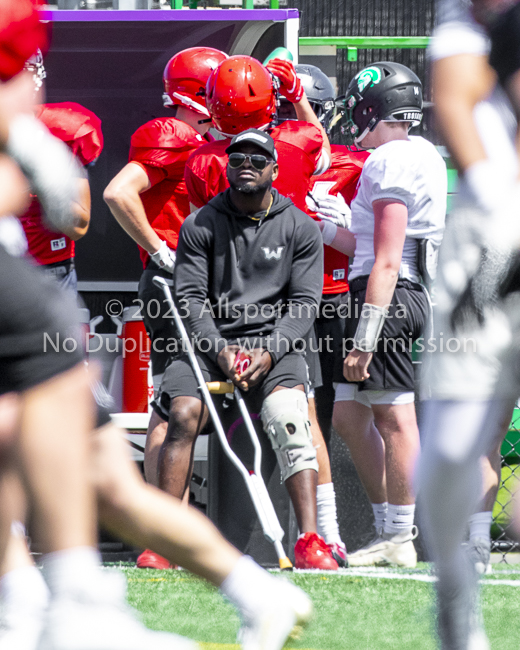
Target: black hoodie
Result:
[[239, 276]]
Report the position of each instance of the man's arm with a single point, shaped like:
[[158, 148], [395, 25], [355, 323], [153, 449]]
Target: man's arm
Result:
[[122, 197], [14, 197], [81, 210], [191, 281], [292, 90], [390, 221], [305, 113], [339, 238], [459, 83], [304, 293]]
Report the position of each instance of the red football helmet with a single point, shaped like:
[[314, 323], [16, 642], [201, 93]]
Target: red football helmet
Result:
[[21, 34], [240, 95], [186, 74]]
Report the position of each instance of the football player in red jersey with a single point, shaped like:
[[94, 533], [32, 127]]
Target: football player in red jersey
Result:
[[329, 195], [242, 94], [80, 130], [148, 198]]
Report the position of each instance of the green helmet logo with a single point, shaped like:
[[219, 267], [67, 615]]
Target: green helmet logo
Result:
[[368, 77]]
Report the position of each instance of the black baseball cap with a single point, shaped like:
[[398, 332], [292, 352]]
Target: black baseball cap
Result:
[[254, 136]]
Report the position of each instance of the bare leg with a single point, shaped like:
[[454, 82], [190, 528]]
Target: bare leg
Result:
[[147, 517], [188, 416], [324, 473], [302, 490], [355, 424], [53, 446], [155, 436], [16, 554], [9, 415], [398, 428], [492, 465]]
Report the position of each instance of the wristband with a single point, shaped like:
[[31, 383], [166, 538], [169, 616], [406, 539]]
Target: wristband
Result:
[[328, 232], [369, 327]]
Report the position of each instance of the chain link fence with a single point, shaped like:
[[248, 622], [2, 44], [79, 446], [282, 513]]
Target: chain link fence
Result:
[[504, 541]]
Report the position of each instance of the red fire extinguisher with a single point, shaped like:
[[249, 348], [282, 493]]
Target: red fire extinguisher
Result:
[[136, 361]]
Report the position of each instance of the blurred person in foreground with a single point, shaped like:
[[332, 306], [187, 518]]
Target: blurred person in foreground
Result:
[[472, 386]]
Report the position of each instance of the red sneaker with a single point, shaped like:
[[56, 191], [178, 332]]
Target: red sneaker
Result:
[[339, 553], [311, 552], [150, 560]]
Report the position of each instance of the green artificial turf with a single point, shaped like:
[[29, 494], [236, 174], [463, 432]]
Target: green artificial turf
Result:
[[351, 612]]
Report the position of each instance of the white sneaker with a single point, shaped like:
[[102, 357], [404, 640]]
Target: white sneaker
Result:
[[479, 553], [387, 549], [285, 614], [96, 617]]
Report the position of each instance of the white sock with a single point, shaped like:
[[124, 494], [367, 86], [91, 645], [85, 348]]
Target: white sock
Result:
[[380, 511], [71, 569], [480, 525], [327, 514], [399, 519], [247, 586], [24, 593]]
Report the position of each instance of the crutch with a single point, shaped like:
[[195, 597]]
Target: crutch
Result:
[[254, 481]]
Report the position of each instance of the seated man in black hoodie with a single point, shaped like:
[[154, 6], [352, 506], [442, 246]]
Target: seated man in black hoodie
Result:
[[249, 275]]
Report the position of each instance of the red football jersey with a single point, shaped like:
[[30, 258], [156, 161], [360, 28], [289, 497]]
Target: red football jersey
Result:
[[298, 144], [80, 130], [162, 147], [341, 178]]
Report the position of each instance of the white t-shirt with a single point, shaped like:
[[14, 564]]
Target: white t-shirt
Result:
[[411, 172]]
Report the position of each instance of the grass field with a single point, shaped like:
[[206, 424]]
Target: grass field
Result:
[[379, 609]]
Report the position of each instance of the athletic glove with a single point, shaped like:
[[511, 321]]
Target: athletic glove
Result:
[[335, 209], [291, 87], [164, 257], [49, 166]]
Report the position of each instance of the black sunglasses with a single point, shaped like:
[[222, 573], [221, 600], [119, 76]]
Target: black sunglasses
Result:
[[258, 161]]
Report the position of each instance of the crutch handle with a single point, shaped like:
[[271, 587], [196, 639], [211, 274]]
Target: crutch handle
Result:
[[220, 387]]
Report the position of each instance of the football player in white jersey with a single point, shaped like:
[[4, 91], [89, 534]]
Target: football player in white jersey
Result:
[[474, 381], [399, 210]]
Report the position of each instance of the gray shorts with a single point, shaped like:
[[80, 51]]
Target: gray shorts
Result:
[[179, 380]]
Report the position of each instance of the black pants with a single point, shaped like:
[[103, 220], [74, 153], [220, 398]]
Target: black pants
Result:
[[329, 329]]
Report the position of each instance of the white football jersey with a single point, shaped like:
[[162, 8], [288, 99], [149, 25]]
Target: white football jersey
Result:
[[411, 172]]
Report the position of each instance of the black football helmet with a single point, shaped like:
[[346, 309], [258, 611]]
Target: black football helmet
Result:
[[320, 93], [383, 91]]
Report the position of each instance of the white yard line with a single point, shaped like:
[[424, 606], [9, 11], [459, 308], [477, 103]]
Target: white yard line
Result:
[[389, 574]]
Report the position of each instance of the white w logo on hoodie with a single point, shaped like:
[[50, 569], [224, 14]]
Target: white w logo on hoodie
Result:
[[276, 255]]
